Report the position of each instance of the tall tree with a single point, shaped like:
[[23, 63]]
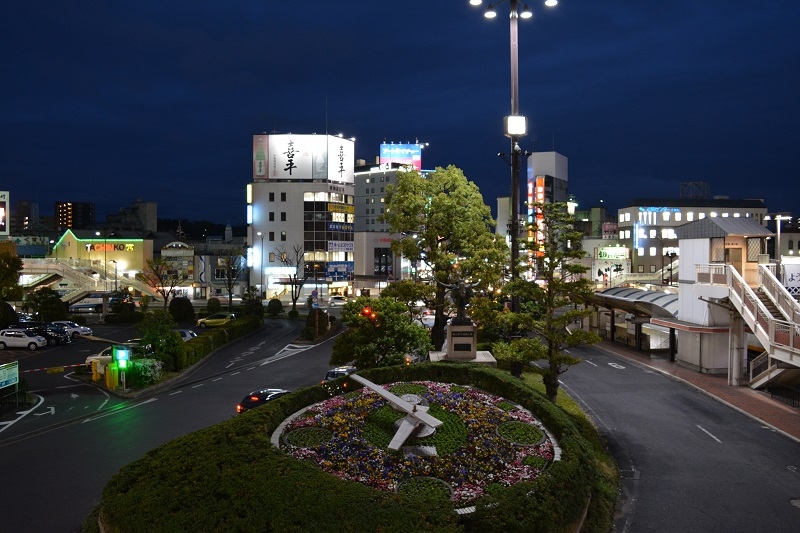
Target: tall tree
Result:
[[47, 304], [446, 225], [379, 333], [10, 271], [549, 304], [160, 275], [295, 261], [233, 261]]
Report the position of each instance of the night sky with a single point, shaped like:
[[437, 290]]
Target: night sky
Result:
[[108, 102]]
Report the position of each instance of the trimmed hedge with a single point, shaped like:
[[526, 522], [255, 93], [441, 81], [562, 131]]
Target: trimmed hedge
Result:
[[230, 478], [213, 338]]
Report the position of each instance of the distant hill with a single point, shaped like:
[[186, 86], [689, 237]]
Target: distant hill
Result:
[[198, 230]]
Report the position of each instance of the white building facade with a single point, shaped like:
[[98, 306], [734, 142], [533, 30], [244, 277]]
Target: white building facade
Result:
[[301, 200]]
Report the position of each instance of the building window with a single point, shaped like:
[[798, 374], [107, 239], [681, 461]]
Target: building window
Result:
[[272, 197], [790, 245], [272, 235], [652, 269], [652, 251], [283, 197], [701, 216], [677, 217], [724, 215], [652, 234], [753, 249], [283, 236], [283, 216], [272, 257], [689, 216], [640, 251], [665, 216], [640, 269], [272, 217], [627, 217], [627, 234]]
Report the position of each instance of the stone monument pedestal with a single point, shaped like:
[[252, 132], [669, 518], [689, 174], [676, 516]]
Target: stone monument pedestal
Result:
[[462, 337]]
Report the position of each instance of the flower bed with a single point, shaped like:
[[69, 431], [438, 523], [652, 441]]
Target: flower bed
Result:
[[471, 453]]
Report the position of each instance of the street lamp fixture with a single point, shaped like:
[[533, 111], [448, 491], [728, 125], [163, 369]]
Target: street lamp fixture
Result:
[[263, 292], [514, 124]]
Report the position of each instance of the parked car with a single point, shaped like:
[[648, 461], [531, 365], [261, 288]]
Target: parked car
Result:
[[217, 319], [338, 372], [53, 334], [259, 397], [21, 338], [186, 334], [334, 301], [72, 328]]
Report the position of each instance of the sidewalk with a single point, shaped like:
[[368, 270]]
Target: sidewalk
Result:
[[756, 405]]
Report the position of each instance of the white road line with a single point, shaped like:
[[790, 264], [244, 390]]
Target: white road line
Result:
[[22, 414], [587, 361], [251, 368], [234, 373], [198, 385], [704, 430], [98, 417], [176, 392], [216, 379]]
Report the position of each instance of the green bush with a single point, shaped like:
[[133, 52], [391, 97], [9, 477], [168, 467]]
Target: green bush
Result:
[[181, 309], [317, 321], [238, 482], [213, 305], [274, 307], [294, 313]]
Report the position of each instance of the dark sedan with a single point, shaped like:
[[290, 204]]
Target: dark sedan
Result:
[[259, 397]]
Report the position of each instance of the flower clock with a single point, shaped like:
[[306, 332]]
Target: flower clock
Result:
[[485, 441]]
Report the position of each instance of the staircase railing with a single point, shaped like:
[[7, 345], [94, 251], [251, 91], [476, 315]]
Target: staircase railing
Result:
[[778, 294]]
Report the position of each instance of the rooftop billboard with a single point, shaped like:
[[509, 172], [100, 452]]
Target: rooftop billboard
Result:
[[406, 154], [303, 158]]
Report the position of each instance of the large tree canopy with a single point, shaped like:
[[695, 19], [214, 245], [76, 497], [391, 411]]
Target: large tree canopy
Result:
[[445, 224]]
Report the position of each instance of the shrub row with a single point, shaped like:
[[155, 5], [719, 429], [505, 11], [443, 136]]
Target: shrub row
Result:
[[229, 477], [211, 339]]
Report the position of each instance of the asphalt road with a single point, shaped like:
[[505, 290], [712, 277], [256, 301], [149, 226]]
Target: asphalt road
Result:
[[689, 463], [55, 464]]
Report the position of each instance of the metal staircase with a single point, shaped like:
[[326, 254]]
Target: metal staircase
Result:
[[773, 315]]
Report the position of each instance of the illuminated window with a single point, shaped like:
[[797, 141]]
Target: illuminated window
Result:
[[677, 217], [736, 215], [724, 215], [652, 234], [701, 216], [652, 251], [640, 251], [665, 216], [713, 214], [283, 236], [627, 234], [621, 234], [627, 217]]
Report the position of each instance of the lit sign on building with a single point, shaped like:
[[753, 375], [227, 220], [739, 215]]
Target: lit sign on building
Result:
[[613, 253], [340, 246], [4, 212], [406, 154], [303, 158]]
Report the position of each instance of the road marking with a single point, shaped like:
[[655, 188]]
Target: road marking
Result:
[[216, 379], [251, 368], [704, 430], [234, 373], [176, 392], [616, 365], [792, 469], [50, 411], [198, 385], [98, 417], [586, 360]]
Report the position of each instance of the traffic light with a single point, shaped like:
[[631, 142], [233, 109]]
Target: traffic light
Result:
[[121, 354]]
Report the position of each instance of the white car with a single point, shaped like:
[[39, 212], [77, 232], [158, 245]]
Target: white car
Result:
[[333, 301], [72, 328], [21, 338], [186, 334]]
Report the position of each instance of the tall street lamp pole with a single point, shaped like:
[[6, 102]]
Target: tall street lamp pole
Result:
[[515, 125], [115, 274], [263, 292], [778, 219]]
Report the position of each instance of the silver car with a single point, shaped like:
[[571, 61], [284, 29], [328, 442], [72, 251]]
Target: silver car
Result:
[[186, 334], [21, 338]]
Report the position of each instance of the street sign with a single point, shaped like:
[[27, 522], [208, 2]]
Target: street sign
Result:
[[9, 374]]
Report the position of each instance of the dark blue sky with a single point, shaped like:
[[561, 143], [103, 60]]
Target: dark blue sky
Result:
[[108, 102]]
